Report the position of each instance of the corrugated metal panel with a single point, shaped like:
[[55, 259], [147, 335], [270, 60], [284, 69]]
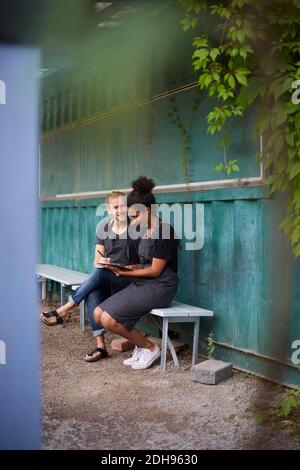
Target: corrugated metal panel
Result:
[[247, 274], [111, 151], [244, 272]]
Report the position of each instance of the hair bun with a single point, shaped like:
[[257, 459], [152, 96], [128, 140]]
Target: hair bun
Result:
[[143, 184]]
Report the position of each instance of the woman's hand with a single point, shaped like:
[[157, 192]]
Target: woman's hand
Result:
[[153, 271], [114, 269], [133, 266], [100, 256], [101, 260]]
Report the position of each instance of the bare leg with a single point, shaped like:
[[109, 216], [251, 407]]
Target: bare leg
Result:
[[100, 341], [62, 311], [99, 278], [100, 344], [103, 318]]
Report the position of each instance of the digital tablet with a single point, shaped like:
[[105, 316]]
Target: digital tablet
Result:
[[116, 265]]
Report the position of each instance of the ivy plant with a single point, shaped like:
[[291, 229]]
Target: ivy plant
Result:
[[248, 55], [185, 137], [211, 346]]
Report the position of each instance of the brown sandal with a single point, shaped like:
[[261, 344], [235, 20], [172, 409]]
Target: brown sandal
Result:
[[103, 354], [52, 313]]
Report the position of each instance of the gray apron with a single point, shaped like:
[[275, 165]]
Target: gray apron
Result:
[[142, 294]]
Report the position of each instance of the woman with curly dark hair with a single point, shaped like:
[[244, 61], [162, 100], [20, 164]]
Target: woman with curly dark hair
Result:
[[154, 281]]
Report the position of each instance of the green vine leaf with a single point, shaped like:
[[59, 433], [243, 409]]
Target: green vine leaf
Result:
[[219, 167], [249, 58]]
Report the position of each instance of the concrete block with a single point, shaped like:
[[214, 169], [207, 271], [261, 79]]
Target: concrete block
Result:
[[211, 372], [121, 344]]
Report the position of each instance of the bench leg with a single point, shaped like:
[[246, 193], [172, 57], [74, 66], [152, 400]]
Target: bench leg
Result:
[[170, 344], [62, 294], [163, 361], [51, 289], [195, 341], [173, 352], [43, 281], [82, 315]]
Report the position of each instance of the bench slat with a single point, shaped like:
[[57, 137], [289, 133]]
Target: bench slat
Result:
[[177, 309], [65, 276]]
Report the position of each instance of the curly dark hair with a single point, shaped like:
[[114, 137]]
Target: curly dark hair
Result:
[[141, 192]]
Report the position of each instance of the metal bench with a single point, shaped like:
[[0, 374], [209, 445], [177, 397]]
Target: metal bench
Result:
[[175, 313], [178, 313], [66, 278]]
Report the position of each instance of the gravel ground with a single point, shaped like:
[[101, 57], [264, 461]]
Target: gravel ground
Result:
[[108, 406]]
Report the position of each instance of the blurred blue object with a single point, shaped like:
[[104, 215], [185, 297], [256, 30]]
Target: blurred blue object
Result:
[[19, 329]]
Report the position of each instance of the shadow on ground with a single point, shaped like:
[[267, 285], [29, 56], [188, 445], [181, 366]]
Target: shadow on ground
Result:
[[105, 405]]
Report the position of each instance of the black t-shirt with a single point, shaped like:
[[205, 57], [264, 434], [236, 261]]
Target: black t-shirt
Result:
[[119, 248], [162, 245]]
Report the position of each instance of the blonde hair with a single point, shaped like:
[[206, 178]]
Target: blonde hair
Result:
[[113, 195]]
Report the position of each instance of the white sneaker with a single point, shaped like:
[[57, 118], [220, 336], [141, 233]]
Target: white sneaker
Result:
[[134, 357], [147, 358]]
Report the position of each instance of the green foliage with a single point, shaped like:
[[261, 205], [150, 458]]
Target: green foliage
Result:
[[185, 138], [283, 412], [231, 165], [228, 167], [290, 403], [251, 58], [193, 9], [210, 346], [184, 130]]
